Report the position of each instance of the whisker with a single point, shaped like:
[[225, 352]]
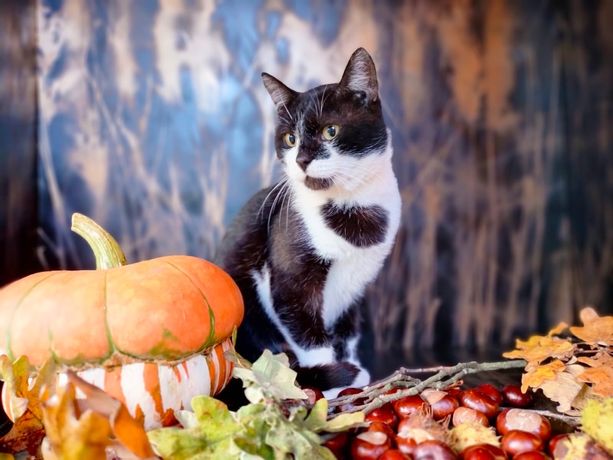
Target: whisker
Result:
[[274, 203], [280, 183]]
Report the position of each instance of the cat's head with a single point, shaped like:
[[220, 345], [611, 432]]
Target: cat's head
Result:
[[332, 136]]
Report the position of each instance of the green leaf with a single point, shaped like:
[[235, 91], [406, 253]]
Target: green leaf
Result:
[[207, 433], [317, 419], [269, 377]]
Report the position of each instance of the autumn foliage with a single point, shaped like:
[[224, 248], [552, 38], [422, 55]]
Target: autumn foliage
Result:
[[570, 364]]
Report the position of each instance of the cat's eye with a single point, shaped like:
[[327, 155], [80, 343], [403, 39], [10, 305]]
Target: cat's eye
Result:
[[330, 132], [289, 139]]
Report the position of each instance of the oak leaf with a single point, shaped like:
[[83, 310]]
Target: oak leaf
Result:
[[596, 329], [539, 348], [22, 396], [536, 376], [601, 379], [129, 432], [566, 390], [72, 435]]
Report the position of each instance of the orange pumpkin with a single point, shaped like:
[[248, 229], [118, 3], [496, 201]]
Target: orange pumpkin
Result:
[[152, 334]]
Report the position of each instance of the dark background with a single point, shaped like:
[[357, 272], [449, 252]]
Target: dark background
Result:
[[150, 117]]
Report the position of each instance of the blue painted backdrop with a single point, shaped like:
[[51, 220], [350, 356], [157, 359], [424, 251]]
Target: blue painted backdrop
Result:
[[152, 119]]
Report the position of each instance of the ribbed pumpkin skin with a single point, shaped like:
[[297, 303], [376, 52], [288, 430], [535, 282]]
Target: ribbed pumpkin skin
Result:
[[162, 309], [152, 391]]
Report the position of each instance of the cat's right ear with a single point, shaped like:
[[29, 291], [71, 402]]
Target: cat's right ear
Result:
[[280, 94]]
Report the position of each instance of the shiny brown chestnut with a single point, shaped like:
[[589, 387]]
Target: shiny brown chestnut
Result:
[[369, 445], [483, 452], [406, 445], [429, 450], [383, 428], [490, 391], [383, 414], [394, 454], [347, 407], [314, 394], [553, 442], [532, 455], [523, 420], [514, 397], [476, 400], [338, 444], [468, 415], [409, 405], [515, 442], [441, 403]]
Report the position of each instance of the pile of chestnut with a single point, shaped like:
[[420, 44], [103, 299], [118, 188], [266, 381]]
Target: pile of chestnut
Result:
[[425, 426]]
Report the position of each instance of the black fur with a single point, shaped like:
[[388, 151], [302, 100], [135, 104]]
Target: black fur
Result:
[[360, 225], [268, 232]]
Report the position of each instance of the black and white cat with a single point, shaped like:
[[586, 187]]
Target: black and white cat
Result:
[[303, 251]]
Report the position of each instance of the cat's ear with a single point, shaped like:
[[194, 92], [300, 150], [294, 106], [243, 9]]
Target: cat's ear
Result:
[[279, 93], [360, 74]]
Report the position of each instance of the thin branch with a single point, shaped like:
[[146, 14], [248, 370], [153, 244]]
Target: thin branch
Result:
[[377, 394]]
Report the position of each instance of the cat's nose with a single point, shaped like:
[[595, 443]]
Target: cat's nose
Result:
[[303, 159]]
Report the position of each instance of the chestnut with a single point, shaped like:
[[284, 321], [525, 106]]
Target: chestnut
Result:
[[383, 428], [429, 450], [476, 400], [441, 403], [409, 405], [532, 455], [338, 444], [348, 406], [553, 442], [483, 452], [383, 414], [490, 391], [468, 415], [514, 397], [370, 445], [314, 394], [455, 392], [406, 445], [515, 442], [393, 454], [523, 420]]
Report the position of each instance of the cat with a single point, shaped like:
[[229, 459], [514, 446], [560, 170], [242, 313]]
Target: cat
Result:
[[304, 250]]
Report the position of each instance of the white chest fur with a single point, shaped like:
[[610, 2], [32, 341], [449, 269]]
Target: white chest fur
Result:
[[352, 267]]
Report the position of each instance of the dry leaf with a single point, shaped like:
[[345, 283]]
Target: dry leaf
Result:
[[539, 348], [596, 329], [25, 435], [70, 434], [126, 429], [601, 379], [22, 400], [535, 376], [565, 390]]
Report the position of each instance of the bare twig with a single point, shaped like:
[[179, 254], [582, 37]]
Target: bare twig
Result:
[[377, 394]]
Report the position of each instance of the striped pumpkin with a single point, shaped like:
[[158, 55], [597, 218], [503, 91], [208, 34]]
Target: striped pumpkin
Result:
[[152, 334]]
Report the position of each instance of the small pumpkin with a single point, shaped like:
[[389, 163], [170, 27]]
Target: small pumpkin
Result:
[[152, 334]]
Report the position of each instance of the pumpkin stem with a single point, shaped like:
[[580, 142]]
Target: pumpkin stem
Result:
[[107, 251]]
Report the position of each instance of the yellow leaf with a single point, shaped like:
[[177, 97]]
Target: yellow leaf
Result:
[[596, 329], [601, 379], [565, 390], [126, 429], [538, 348], [535, 376], [557, 329], [25, 435], [72, 435], [600, 359]]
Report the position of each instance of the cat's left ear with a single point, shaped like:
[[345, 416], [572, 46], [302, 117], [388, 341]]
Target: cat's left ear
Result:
[[360, 75], [279, 93]]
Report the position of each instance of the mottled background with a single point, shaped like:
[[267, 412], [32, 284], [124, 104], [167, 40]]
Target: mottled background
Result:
[[150, 117]]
